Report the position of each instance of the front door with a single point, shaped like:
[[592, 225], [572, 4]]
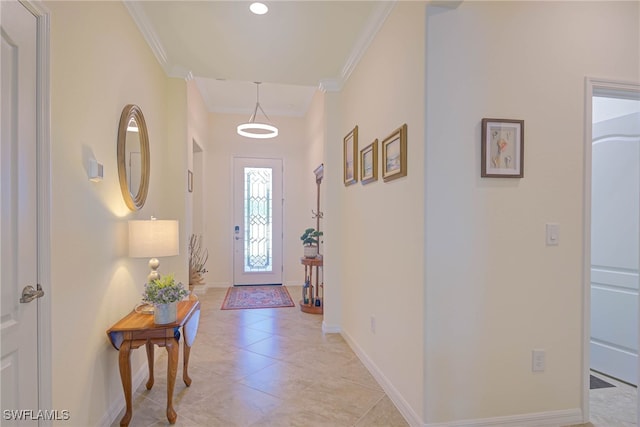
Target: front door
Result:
[[18, 215], [257, 217]]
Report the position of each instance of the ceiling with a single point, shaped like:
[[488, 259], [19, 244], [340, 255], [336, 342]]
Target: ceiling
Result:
[[296, 48]]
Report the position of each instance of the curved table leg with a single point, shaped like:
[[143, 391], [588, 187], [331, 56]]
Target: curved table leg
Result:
[[190, 330], [149, 346], [172, 368], [185, 364], [125, 376]]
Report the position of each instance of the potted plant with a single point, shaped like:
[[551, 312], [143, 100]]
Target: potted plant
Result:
[[310, 242], [164, 293]]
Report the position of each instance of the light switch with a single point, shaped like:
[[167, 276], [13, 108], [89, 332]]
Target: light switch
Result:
[[553, 234]]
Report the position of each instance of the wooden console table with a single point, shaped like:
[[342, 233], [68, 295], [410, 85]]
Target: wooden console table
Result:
[[313, 292], [137, 329]]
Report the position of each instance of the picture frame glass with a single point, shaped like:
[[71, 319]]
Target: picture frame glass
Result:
[[349, 164], [350, 148], [367, 164], [502, 145], [392, 151]]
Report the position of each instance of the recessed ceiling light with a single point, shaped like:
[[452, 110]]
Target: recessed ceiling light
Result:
[[258, 8]]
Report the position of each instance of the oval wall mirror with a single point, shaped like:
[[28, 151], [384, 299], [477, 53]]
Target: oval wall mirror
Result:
[[133, 157]]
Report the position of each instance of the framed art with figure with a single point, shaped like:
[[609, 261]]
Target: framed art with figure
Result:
[[502, 148]]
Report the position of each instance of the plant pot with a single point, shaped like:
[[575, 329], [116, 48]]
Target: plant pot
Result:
[[165, 313], [310, 251]]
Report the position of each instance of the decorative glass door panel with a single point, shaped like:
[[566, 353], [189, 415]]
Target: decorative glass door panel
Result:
[[257, 227], [258, 219]]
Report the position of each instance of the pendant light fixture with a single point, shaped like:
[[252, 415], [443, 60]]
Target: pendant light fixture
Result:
[[253, 129]]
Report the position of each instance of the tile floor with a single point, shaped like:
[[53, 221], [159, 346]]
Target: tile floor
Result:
[[274, 367], [266, 367]]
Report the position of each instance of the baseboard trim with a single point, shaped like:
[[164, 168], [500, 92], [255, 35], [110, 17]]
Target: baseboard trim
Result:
[[330, 329], [405, 409], [538, 419], [119, 404], [218, 285]]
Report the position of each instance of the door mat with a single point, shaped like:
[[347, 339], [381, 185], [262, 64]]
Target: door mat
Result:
[[247, 297], [595, 382]]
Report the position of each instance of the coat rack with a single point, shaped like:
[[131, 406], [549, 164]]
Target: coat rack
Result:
[[317, 214]]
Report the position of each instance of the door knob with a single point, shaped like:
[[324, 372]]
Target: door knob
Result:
[[29, 294]]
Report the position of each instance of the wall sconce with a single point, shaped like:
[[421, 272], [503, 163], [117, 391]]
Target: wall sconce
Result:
[[153, 239], [96, 171]]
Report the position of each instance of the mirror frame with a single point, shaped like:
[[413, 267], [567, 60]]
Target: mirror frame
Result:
[[134, 202]]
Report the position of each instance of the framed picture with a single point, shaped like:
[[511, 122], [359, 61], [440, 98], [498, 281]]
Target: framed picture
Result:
[[351, 157], [502, 148], [394, 154], [190, 181], [369, 163]]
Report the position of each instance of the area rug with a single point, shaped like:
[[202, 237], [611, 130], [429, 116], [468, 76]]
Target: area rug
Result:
[[246, 297], [596, 382]]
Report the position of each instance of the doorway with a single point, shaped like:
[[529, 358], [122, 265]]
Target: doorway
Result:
[[25, 212], [612, 241], [257, 216]]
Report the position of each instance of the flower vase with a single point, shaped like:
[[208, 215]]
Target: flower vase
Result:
[[165, 313]]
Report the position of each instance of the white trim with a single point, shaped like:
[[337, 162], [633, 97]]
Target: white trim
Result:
[[405, 409], [611, 88], [330, 329], [377, 20], [219, 285], [331, 85], [148, 32], [538, 419], [45, 368]]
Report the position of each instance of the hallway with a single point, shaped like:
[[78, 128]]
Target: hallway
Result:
[[274, 367], [266, 367]]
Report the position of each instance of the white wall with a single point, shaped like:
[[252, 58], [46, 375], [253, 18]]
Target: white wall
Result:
[[224, 144], [100, 63], [494, 290], [375, 234]]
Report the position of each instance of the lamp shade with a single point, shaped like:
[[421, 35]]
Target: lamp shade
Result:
[[153, 238]]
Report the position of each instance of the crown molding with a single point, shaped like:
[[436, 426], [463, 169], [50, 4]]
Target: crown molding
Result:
[[149, 34], [377, 20], [331, 85], [447, 4]]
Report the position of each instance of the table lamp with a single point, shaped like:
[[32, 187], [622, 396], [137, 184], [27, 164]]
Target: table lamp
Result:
[[153, 239]]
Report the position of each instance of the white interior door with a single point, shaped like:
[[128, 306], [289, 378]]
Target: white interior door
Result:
[[257, 233], [18, 214], [615, 242]]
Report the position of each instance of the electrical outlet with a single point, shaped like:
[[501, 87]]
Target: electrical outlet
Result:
[[373, 324], [538, 360]]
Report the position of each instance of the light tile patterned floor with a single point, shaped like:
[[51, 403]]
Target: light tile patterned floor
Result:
[[266, 367], [275, 367]]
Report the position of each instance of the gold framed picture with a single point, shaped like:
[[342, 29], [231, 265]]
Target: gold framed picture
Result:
[[350, 149], [369, 163], [394, 154]]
